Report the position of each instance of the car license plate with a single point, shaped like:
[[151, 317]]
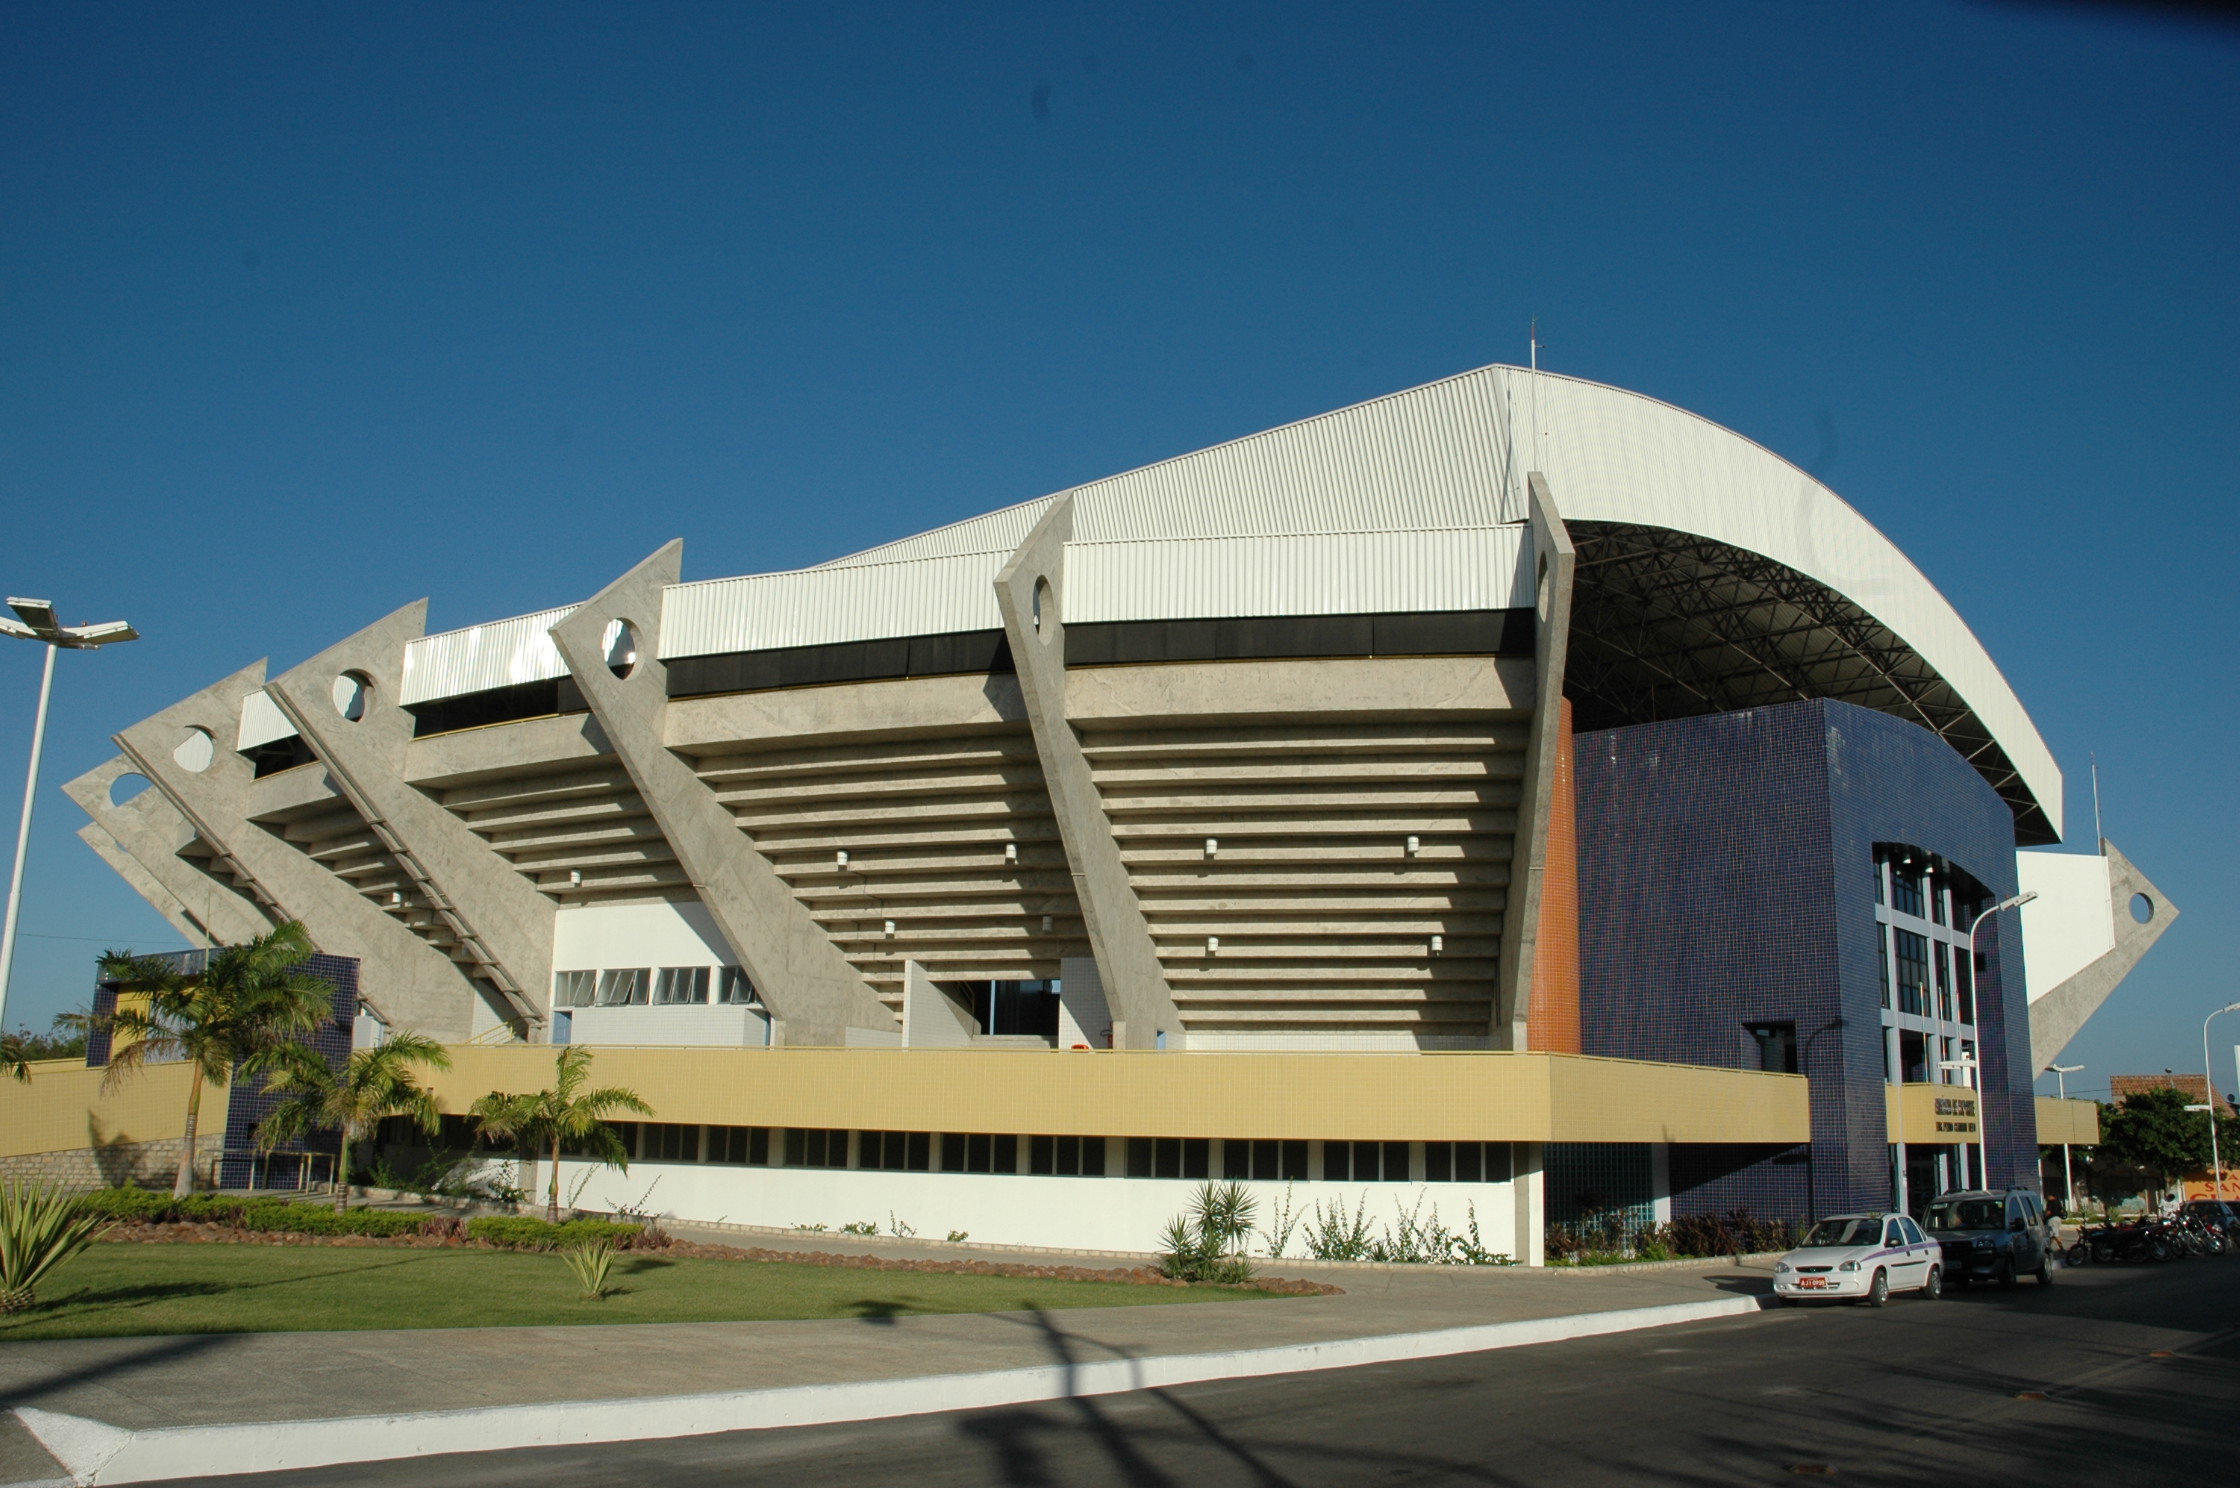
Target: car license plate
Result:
[[1811, 1283]]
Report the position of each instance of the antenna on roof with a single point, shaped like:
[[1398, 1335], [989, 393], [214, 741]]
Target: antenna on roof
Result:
[[2096, 837], [1535, 343]]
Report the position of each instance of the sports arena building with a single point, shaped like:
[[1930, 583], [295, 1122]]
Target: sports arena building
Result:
[[1513, 796]]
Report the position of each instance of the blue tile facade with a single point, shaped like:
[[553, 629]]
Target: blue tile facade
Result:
[[1726, 878], [245, 1104]]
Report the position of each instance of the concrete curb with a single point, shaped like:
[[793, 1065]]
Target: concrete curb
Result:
[[94, 1452]]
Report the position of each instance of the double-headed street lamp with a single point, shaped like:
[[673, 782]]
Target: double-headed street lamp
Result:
[[38, 623], [1968, 1062]]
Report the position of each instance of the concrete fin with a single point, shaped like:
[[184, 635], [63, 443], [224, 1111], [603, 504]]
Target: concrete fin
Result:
[[414, 985], [501, 920], [1554, 559], [930, 1019], [814, 995], [2061, 1013], [1030, 591]]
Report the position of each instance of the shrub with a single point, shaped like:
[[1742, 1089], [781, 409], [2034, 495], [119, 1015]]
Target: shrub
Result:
[[40, 1228], [519, 1232]]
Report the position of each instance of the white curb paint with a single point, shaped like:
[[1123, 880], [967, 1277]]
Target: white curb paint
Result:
[[96, 1453]]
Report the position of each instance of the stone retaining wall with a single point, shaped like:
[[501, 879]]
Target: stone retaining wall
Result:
[[148, 1164]]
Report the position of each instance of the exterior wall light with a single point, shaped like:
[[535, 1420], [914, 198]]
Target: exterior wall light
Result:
[[1011, 852], [396, 896], [1213, 945], [1213, 846], [1438, 944], [841, 857], [890, 928], [1415, 845], [575, 878], [1046, 924]]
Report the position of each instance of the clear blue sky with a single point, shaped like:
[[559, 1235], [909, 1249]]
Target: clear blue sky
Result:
[[308, 311]]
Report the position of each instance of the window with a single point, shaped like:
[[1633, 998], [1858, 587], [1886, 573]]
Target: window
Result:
[[732, 986], [1905, 888], [1011, 1007], [624, 988], [1066, 1157], [1170, 1157], [1365, 1162], [1913, 1232], [1893, 1237], [1913, 972], [1882, 949], [809, 1147], [1913, 1057], [1264, 1159], [625, 1132], [668, 1141], [574, 989], [739, 1144], [1941, 961], [1777, 1046], [1964, 986], [979, 1152], [895, 1151], [1466, 1162], [674, 985]]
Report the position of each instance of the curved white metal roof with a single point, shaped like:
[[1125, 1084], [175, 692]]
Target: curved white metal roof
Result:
[[1323, 516], [1454, 454]]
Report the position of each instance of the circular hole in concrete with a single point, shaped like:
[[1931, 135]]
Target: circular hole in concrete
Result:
[[2142, 908], [125, 787], [196, 750], [621, 647], [352, 691]]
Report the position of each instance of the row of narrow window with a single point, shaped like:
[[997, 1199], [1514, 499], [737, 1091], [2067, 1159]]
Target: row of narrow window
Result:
[[1070, 1157], [642, 986]]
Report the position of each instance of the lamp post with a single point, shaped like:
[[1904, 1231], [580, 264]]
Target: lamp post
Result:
[[2209, 1093], [1983, 1105], [38, 623], [2061, 1074]]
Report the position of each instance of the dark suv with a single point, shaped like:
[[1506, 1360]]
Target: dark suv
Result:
[[1991, 1237], [2216, 1212]]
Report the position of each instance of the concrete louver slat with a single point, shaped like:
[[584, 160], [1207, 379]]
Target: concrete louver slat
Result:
[[825, 839], [876, 792], [489, 824], [1184, 779], [559, 836], [508, 790], [1226, 828], [1352, 854], [1292, 799], [970, 808], [1117, 751]]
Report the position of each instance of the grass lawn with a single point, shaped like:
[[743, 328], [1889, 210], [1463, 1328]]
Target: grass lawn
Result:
[[117, 1290]]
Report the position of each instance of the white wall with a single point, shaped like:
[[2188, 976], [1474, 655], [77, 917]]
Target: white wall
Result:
[[1001, 1209], [2071, 923], [594, 937], [688, 1024]]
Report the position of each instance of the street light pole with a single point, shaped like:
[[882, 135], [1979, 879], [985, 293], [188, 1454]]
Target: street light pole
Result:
[[2061, 1074], [38, 623], [2209, 1093], [1983, 1104]]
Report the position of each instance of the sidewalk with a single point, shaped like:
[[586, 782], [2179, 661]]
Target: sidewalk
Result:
[[239, 1380]]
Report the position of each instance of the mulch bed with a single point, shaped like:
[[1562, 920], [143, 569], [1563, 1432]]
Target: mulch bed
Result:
[[193, 1233]]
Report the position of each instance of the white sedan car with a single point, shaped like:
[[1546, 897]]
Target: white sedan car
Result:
[[1861, 1258]]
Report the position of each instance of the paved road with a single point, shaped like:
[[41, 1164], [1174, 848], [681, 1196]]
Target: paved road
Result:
[[1919, 1393]]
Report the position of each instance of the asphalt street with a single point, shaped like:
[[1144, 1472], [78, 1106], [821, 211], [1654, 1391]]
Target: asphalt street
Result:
[[2112, 1375]]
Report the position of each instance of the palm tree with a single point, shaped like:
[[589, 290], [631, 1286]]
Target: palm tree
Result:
[[15, 1061], [567, 1113], [247, 1001], [372, 1084]]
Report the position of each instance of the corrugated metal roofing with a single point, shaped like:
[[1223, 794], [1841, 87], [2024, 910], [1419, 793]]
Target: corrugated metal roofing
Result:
[[821, 606], [503, 653], [262, 722], [1432, 457], [1351, 573]]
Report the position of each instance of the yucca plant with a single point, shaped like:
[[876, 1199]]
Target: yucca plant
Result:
[[591, 1262], [1206, 1242], [40, 1228]]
